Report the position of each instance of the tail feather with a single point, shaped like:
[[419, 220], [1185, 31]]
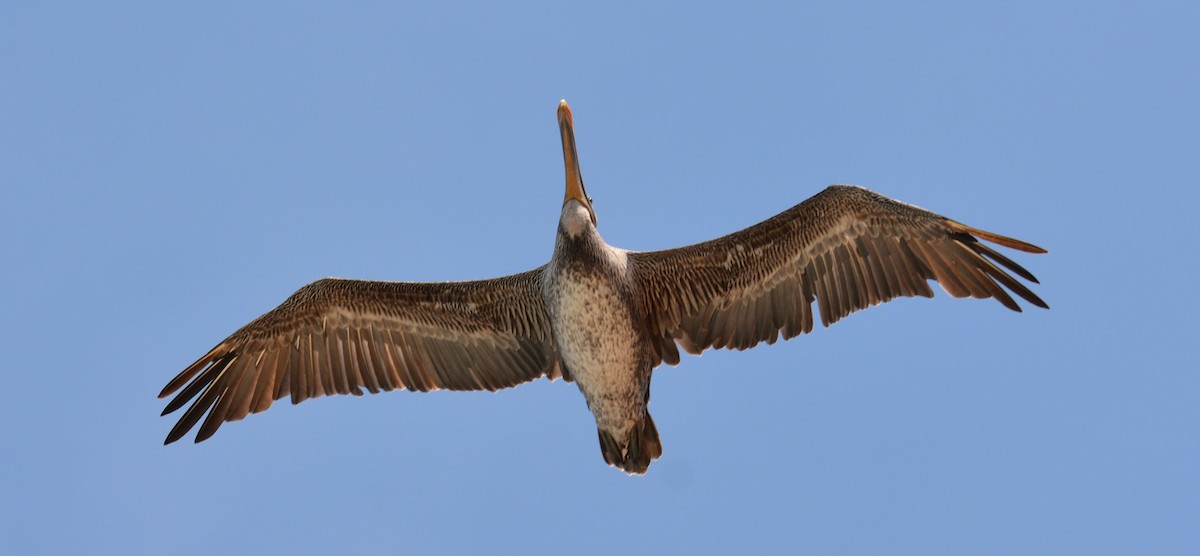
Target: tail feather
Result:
[[634, 455]]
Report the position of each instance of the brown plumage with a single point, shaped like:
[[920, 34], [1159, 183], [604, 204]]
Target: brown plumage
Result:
[[338, 336], [602, 316], [847, 248]]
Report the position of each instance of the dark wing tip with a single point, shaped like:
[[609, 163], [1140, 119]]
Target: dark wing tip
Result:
[[968, 237], [222, 349], [176, 433], [998, 239], [1038, 301], [200, 391]]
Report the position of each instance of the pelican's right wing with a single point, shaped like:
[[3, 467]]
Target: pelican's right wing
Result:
[[847, 248], [337, 336]]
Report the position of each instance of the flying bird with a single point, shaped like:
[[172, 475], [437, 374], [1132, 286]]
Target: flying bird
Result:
[[596, 315]]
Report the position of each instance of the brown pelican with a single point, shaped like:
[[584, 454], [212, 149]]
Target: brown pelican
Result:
[[597, 315]]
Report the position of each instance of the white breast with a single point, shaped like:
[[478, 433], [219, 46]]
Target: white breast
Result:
[[597, 340]]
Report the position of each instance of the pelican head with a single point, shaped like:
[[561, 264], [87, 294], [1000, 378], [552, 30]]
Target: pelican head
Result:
[[575, 189]]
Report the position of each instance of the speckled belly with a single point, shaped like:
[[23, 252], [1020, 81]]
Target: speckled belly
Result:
[[598, 341]]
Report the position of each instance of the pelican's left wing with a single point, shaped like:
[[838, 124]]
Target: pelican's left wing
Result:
[[337, 336], [846, 248]]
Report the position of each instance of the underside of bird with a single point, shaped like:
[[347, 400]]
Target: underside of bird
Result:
[[843, 250]]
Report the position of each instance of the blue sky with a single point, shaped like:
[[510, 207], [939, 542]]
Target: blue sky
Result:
[[169, 172]]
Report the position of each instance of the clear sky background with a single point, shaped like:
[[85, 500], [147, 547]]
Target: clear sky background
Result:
[[169, 172]]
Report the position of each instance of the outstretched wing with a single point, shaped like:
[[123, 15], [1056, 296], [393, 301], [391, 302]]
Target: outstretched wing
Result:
[[337, 336], [847, 248]]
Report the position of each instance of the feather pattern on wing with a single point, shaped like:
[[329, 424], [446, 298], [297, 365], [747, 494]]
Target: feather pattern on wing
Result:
[[847, 248], [338, 336]]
